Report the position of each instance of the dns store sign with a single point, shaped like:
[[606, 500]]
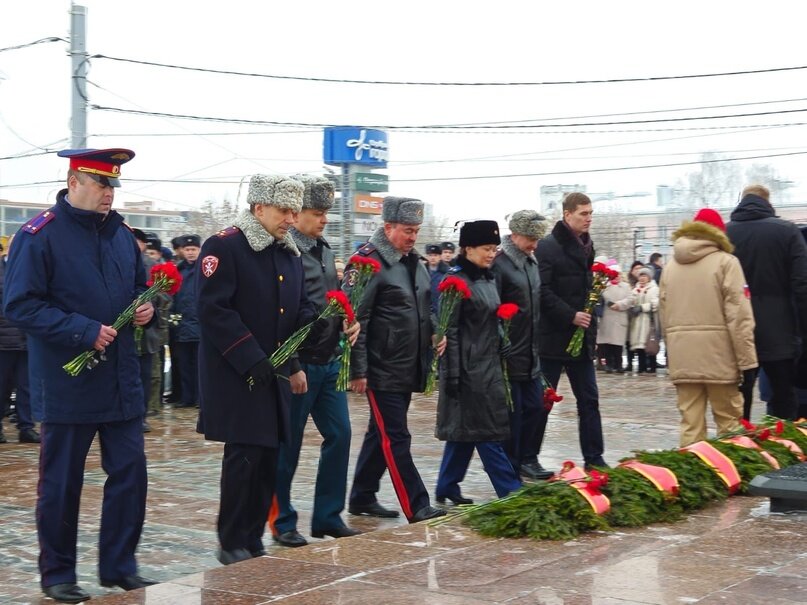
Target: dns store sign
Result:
[[368, 204], [350, 145]]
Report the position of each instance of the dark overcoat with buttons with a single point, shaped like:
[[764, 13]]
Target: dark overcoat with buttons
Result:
[[248, 304], [70, 272]]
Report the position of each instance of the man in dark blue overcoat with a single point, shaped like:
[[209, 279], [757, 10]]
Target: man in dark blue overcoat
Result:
[[251, 290], [67, 303]]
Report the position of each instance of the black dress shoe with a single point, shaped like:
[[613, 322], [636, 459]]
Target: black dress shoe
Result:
[[372, 510], [257, 553], [29, 436], [129, 583], [3, 438], [66, 593], [146, 427], [292, 539], [427, 512], [338, 532], [454, 499], [228, 557], [599, 463], [534, 471]]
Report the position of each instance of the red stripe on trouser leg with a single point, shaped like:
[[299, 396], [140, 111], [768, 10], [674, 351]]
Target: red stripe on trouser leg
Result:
[[386, 448], [274, 511]]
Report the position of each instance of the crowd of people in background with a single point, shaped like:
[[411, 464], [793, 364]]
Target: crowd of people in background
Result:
[[729, 300]]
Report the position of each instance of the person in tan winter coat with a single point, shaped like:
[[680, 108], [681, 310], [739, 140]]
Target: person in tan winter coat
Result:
[[708, 325]]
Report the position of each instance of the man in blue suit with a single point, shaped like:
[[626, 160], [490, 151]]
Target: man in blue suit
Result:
[[67, 303]]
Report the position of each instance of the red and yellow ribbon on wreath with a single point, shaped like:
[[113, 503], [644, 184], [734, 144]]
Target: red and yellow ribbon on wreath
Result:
[[718, 462], [747, 442], [586, 485], [663, 478]]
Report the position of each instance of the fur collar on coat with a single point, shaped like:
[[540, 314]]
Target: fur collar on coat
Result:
[[259, 238]]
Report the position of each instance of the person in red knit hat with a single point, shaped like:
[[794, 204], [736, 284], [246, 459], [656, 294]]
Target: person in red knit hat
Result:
[[708, 325]]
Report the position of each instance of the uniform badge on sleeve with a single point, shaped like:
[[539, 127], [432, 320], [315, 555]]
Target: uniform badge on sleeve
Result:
[[351, 276], [209, 265]]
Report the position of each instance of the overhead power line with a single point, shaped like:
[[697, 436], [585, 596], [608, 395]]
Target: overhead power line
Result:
[[439, 127], [474, 177], [416, 83], [34, 43]]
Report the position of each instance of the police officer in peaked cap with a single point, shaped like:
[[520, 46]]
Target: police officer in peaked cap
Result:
[[67, 305]]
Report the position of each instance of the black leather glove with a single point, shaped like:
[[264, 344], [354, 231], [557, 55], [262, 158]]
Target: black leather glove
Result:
[[453, 388], [261, 374], [749, 376], [505, 347]]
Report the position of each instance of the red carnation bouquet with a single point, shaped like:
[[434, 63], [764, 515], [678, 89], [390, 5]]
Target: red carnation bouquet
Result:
[[164, 278], [362, 269], [506, 312], [338, 305], [551, 396], [602, 276], [452, 290]]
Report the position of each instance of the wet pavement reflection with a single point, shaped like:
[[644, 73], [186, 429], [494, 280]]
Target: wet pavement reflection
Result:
[[734, 552]]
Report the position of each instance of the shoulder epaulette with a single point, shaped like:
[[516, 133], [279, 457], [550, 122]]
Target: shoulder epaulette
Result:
[[366, 249], [228, 232], [36, 224], [453, 270]]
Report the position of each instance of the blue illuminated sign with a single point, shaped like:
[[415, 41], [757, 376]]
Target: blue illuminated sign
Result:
[[354, 145]]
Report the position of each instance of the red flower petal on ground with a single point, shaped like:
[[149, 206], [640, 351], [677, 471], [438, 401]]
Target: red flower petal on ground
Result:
[[506, 311], [341, 299]]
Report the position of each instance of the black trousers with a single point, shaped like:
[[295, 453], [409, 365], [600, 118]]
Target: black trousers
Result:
[[782, 376], [647, 363], [612, 355], [248, 475], [386, 446]]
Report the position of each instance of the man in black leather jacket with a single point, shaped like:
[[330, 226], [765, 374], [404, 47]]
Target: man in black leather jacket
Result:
[[391, 360], [314, 393]]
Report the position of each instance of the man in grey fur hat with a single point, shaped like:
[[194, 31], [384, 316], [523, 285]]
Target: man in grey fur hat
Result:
[[390, 361], [519, 282], [314, 393], [251, 298]]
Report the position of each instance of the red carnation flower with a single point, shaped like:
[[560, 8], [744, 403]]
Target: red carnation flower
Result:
[[365, 261], [455, 283], [340, 298], [172, 276], [597, 479], [506, 311], [747, 425], [764, 434], [780, 427], [599, 268]]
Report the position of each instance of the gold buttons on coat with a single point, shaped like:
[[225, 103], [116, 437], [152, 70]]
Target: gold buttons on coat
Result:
[[279, 278], [282, 310]]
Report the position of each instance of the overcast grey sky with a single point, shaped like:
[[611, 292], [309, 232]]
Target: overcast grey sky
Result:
[[406, 41]]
